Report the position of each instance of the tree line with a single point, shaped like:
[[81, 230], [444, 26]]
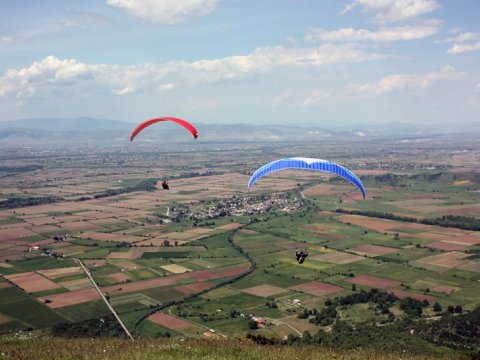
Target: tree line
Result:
[[16, 202], [456, 221]]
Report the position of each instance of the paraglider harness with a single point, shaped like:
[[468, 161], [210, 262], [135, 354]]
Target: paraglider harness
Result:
[[301, 255], [165, 185]]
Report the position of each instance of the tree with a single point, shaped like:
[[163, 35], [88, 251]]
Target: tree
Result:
[[303, 315], [437, 307], [411, 306], [252, 324], [307, 337], [391, 317]]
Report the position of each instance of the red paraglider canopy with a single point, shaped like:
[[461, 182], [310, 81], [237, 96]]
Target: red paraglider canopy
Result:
[[147, 123]]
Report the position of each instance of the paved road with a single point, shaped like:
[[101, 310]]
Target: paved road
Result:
[[104, 298]]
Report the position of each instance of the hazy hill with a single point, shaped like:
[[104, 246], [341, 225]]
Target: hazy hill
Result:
[[88, 130], [58, 124], [104, 131]]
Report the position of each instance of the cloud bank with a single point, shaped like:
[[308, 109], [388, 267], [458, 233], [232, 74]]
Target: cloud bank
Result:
[[168, 12], [399, 82], [393, 11], [59, 77], [401, 33]]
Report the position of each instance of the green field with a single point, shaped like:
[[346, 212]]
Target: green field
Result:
[[11, 220], [163, 294], [165, 254], [148, 329], [84, 311], [36, 263], [141, 274], [18, 305]]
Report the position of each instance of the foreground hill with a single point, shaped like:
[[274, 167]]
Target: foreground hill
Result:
[[55, 348]]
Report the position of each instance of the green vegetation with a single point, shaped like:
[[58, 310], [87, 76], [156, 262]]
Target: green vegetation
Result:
[[94, 243], [460, 222], [456, 331], [11, 220], [36, 263], [172, 349], [106, 326], [438, 339], [141, 274], [20, 169], [16, 202], [19, 305], [331, 312], [165, 254], [94, 254], [88, 310], [150, 330], [142, 185]]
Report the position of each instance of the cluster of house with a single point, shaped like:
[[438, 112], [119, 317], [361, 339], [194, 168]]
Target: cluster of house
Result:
[[48, 252]]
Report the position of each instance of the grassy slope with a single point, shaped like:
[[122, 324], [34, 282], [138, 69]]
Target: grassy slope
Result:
[[54, 348]]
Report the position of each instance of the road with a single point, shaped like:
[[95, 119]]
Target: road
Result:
[[195, 323], [104, 298], [278, 321]]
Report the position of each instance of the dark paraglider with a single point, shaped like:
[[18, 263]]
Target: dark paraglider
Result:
[[165, 185], [301, 255]]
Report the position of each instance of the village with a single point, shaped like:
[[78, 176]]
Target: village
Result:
[[235, 206]]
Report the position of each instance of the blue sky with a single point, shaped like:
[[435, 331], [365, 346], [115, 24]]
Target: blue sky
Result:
[[306, 62]]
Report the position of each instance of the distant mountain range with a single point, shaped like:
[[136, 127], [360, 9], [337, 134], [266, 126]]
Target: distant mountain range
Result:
[[90, 130]]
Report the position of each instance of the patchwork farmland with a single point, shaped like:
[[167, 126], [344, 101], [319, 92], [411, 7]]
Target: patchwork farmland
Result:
[[208, 255]]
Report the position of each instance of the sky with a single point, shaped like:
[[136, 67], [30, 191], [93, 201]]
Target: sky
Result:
[[333, 63]]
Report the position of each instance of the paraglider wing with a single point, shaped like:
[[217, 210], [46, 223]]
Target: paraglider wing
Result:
[[307, 164], [147, 123]]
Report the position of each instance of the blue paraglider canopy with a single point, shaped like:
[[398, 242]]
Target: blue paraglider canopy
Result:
[[307, 164]]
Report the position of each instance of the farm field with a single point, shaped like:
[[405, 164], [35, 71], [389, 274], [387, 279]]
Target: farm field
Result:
[[209, 255]]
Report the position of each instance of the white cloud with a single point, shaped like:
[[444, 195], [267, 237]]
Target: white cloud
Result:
[[40, 76], [461, 37], [56, 77], [319, 56], [165, 87], [316, 97], [462, 48], [84, 19], [477, 89], [463, 42], [413, 32], [467, 36], [281, 98], [392, 11], [165, 11], [399, 82], [198, 103], [6, 39], [124, 91]]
